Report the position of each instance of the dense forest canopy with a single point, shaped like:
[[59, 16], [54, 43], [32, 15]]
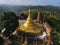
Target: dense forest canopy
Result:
[[17, 9]]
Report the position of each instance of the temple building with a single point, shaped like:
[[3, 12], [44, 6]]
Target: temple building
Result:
[[22, 16], [34, 32]]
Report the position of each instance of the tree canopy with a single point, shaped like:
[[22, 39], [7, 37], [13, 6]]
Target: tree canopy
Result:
[[10, 21]]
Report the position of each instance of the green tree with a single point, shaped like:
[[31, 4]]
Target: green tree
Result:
[[10, 21], [1, 24]]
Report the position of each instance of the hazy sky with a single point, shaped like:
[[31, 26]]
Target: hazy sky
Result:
[[31, 2]]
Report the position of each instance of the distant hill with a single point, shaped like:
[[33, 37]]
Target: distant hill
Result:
[[17, 9]]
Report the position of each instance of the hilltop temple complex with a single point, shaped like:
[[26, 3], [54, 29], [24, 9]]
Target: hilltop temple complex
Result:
[[34, 32]]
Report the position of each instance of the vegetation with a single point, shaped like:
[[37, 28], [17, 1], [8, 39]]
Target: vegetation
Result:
[[9, 20]]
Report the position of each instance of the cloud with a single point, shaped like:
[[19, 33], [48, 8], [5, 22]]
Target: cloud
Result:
[[2, 1], [30, 2], [20, 2]]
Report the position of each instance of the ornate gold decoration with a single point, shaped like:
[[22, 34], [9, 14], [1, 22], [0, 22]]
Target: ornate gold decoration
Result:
[[30, 27]]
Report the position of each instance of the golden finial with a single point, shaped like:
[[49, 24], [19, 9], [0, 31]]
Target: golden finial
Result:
[[29, 15], [29, 11]]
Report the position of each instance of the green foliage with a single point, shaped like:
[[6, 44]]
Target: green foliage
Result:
[[10, 22], [54, 22], [55, 37], [34, 15], [1, 24]]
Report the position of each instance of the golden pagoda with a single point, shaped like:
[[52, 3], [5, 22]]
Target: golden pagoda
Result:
[[30, 27], [32, 32]]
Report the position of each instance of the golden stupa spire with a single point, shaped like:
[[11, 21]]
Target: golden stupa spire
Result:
[[29, 26], [29, 14]]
